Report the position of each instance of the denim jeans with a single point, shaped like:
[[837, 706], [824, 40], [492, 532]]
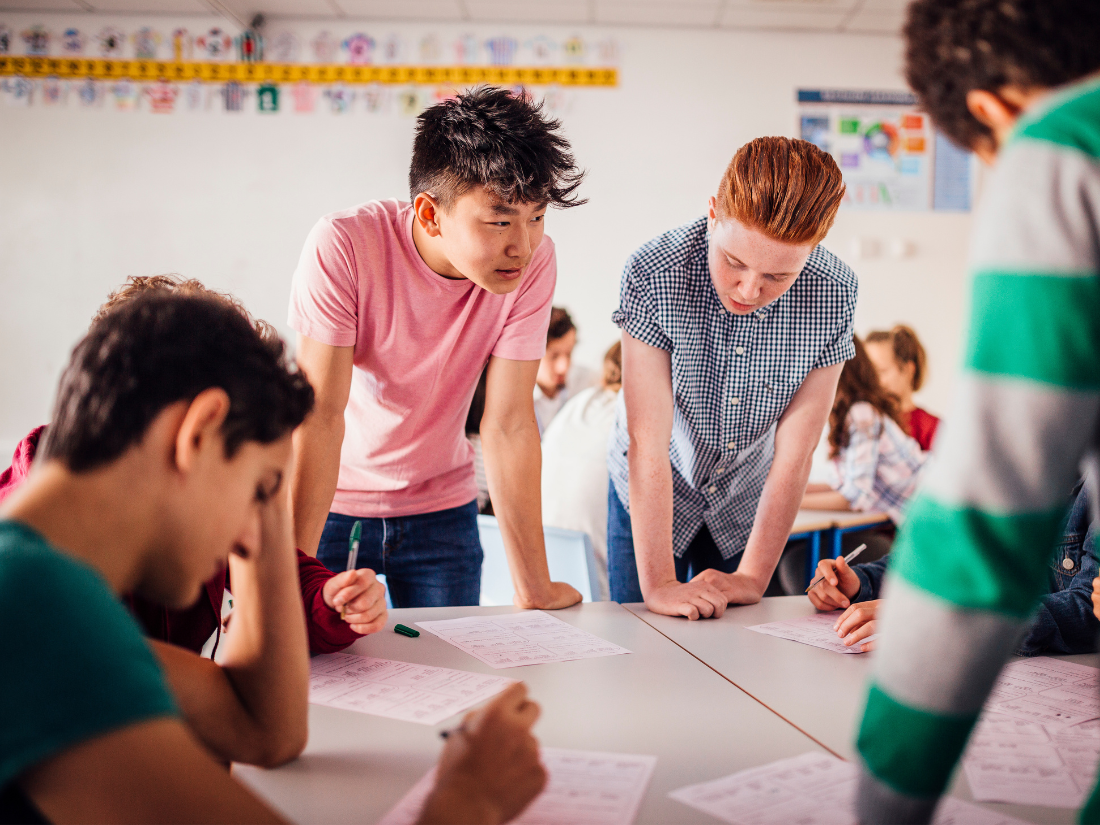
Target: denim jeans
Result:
[[429, 560], [622, 568]]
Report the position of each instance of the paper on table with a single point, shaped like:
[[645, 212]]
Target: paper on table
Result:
[[517, 639], [1038, 739], [816, 631], [811, 789], [583, 787], [397, 690]]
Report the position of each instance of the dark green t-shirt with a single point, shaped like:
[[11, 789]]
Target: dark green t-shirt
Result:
[[73, 663]]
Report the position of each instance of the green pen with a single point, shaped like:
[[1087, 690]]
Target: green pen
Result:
[[353, 552]]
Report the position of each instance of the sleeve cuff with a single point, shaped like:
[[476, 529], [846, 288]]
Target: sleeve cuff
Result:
[[328, 633]]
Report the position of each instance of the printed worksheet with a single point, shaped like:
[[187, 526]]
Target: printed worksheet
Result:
[[1038, 739], [811, 789], [816, 631], [517, 639], [397, 690], [583, 788]]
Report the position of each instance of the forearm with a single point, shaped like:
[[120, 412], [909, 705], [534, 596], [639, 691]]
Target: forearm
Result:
[[831, 500], [317, 446], [650, 482], [513, 468], [775, 514]]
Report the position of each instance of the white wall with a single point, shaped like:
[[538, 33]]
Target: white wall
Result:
[[92, 196]]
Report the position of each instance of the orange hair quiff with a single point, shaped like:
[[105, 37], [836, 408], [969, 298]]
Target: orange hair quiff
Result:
[[786, 188]]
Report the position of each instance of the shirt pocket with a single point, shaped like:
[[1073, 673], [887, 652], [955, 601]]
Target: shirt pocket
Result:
[[772, 397]]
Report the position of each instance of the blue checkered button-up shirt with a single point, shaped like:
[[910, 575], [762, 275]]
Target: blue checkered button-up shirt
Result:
[[732, 375]]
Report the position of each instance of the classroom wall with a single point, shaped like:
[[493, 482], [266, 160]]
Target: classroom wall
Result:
[[92, 196]]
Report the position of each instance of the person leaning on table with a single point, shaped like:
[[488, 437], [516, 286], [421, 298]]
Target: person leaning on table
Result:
[[735, 328]]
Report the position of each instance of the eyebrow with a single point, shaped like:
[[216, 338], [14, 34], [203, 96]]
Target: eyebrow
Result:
[[503, 209]]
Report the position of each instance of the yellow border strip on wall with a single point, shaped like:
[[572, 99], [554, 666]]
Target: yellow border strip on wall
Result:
[[148, 70]]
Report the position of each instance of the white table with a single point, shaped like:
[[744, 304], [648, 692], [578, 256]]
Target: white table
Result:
[[659, 700], [819, 692]]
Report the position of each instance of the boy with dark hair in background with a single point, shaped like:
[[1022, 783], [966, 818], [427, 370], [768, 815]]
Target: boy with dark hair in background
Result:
[[558, 378], [166, 457], [399, 306], [1008, 79]]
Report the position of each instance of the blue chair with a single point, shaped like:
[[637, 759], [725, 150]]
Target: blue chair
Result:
[[569, 554]]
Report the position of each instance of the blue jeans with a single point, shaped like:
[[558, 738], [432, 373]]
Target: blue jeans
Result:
[[429, 560], [622, 568]]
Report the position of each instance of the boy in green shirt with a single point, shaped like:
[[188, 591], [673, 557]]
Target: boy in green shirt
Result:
[[166, 455], [1009, 79]]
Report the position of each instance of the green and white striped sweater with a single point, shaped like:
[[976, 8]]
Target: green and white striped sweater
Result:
[[970, 563]]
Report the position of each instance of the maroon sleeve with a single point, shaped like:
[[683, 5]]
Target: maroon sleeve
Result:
[[328, 633], [21, 462]]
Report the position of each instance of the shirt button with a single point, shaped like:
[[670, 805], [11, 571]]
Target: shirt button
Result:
[[739, 350], [712, 489], [720, 470], [735, 401], [731, 445], [1067, 563]]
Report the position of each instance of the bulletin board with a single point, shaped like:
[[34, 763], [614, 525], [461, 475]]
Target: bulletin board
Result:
[[889, 152]]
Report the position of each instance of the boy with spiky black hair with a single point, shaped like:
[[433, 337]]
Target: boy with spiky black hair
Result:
[[399, 306], [1014, 80]]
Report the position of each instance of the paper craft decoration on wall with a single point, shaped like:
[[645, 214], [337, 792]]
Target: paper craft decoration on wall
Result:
[[887, 149]]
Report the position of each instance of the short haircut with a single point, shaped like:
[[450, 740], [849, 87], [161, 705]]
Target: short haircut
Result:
[[159, 348], [786, 188], [955, 46], [907, 349], [490, 137], [561, 324]]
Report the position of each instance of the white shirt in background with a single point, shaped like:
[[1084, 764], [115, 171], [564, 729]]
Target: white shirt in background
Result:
[[574, 470], [579, 378]]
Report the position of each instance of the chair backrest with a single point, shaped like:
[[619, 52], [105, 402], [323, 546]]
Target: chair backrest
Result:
[[569, 554]]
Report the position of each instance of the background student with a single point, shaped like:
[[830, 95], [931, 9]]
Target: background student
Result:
[[1064, 623], [574, 461], [167, 453], [902, 366], [558, 378], [970, 562], [394, 344], [735, 327], [875, 466]]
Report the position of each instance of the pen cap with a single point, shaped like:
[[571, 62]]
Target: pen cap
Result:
[[356, 531]]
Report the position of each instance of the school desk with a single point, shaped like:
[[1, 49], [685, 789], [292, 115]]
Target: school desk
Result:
[[658, 700], [824, 529], [818, 691]]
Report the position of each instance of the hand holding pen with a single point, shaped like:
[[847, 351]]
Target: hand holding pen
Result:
[[836, 583]]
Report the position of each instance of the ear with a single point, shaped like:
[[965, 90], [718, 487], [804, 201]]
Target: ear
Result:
[[200, 430], [712, 212], [998, 111], [427, 213]]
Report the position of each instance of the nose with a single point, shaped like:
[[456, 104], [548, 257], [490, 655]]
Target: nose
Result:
[[519, 244], [748, 288], [248, 539]]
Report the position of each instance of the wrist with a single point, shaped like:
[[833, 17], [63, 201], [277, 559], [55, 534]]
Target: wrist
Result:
[[458, 803]]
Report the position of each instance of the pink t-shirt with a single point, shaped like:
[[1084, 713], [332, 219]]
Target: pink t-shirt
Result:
[[421, 342]]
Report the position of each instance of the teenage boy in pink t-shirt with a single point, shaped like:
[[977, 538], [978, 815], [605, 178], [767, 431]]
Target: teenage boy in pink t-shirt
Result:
[[399, 307]]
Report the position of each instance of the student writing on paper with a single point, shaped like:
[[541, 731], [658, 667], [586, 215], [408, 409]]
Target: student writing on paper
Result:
[[902, 365], [399, 306], [735, 328], [252, 720], [166, 456], [1065, 621], [1013, 80]]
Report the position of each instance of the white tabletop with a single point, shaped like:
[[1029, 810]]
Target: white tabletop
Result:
[[658, 700], [818, 691]]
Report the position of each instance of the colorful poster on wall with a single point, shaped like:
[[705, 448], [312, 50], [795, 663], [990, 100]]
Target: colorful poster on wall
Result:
[[888, 151]]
